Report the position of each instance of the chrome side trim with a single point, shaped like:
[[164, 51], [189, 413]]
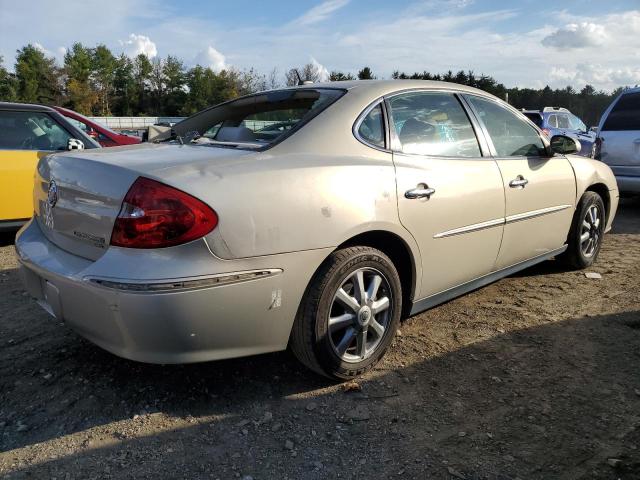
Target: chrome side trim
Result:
[[454, 292], [177, 285], [501, 221], [470, 228], [536, 213]]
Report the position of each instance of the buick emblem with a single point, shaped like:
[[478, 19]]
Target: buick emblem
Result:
[[52, 195]]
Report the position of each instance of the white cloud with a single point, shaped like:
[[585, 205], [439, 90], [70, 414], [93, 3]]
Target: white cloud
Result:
[[320, 12], [323, 72], [576, 35], [212, 58], [137, 44], [39, 46], [596, 74]]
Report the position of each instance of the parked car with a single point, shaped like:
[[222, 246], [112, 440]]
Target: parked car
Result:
[[618, 143], [384, 199], [103, 135], [560, 121], [27, 133]]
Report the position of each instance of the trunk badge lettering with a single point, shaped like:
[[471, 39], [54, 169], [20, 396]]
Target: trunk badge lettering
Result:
[[52, 199], [52, 195]]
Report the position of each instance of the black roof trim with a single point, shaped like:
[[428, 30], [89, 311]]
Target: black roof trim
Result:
[[25, 107]]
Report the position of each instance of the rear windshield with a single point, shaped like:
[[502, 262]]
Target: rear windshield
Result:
[[534, 117], [256, 121], [625, 114]]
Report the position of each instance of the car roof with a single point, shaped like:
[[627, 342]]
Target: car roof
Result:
[[635, 89], [25, 107], [385, 87]]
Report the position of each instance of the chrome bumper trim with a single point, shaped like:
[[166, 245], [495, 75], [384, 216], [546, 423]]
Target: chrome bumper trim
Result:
[[175, 285]]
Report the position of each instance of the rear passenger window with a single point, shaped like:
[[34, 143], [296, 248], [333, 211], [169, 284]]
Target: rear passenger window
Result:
[[512, 136], [371, 129], [433, 124], [625, 114], [563, 121]]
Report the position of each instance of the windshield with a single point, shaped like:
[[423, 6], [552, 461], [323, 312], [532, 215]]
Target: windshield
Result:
[[258, 120]]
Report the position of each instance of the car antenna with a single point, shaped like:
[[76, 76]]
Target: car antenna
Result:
[[300, 81]]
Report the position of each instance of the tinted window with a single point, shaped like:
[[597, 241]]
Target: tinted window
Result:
[[511, 135], [433, 124], [534, 117], [31, 131], [625, 114], [371, 129], [563, 121], [257, 120], [553, 121]]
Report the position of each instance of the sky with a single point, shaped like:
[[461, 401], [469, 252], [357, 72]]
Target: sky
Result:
[[524, 43]]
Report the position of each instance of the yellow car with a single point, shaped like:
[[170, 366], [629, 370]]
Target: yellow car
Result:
[[27, 133]]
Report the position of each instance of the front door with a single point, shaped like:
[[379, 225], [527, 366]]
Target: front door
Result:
[[450, 197], [25, 137], [540, 191]]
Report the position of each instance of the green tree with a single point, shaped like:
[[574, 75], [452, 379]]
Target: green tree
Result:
[[366, 74], [78, 66], [207, 88], [142, 69], [104, 70], [8, 84], [36, 76], [175, 81], [336, 76], [124, 87]]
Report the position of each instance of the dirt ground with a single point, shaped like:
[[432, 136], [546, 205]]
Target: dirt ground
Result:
[[534, 377]]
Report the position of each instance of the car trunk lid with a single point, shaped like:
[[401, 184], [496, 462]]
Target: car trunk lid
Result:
[[78, 196]]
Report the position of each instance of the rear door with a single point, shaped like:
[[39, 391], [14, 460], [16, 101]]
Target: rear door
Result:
[[25, 137], [620, 136], [450, 196], [540, 191]]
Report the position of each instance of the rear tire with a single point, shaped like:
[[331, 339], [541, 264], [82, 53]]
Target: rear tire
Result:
[[586, 234], [349, 314]]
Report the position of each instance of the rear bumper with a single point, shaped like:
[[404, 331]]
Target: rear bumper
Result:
[[187, 320]]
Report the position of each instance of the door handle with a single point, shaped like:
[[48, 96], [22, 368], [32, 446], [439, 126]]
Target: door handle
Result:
[[422, 191], [518, 182]]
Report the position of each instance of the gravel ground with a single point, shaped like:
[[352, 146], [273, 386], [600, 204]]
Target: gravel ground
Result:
[[533, 377]]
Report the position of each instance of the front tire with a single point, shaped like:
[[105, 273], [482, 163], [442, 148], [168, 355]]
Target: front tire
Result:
[[350, 313], [587, 232]]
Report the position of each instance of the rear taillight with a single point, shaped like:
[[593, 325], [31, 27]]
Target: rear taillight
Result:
[[155, 215], [546, 132]]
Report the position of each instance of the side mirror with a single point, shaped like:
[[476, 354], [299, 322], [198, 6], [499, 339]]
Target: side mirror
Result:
[[75, 144], [593, 129], [564, 145]]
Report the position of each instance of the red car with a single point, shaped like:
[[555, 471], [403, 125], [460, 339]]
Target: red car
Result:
[[103, 135]]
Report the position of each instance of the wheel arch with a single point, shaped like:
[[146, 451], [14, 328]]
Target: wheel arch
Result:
[[400, 253], [602, 190]]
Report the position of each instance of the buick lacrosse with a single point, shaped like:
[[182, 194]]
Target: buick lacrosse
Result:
[[314, 217]]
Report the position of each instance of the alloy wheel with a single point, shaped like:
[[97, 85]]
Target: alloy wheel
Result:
[[360, 314], [590, 231]]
